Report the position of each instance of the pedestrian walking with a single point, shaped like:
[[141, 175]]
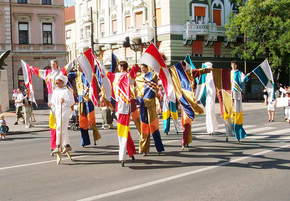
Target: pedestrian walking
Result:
[[19, 104], [27, 104]]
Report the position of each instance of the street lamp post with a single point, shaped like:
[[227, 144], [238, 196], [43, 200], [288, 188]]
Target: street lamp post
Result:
[[154, 23]]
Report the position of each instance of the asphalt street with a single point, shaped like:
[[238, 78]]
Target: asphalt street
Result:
[[258, 168]]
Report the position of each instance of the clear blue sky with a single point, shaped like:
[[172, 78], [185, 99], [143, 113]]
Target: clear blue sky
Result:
[[68, 3]]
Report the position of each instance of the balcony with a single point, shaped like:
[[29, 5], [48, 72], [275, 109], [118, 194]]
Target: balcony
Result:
[[209, 31], [145, 34], [84, 44]]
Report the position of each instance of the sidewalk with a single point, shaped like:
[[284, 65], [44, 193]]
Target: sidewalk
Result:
[[42, 116]]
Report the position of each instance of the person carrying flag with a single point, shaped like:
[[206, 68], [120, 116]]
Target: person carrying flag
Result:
[[121, 82], [237, 78], [61, 103], [189, 75], [147, 85], [86, 107], [49, 76]]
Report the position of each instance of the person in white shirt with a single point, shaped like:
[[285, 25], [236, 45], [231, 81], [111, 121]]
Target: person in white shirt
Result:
[[19, 104], [62, 99]]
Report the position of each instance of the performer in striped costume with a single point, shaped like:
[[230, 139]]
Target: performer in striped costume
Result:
[[121, 87], [86, 107], [146, 84]]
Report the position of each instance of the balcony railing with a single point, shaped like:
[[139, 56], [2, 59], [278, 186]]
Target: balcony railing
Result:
[[209, 31]]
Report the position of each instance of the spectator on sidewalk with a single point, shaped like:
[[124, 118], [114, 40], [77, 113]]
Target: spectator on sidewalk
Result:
[[27, 109], [19, 104], [2, 126]]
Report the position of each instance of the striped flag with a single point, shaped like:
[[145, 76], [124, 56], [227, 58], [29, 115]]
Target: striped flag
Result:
[[87, 63], [184, 91], [28, 80], [153, 58], [265, 75], [107, 88]]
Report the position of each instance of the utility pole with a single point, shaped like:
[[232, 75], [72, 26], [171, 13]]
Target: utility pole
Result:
[[154, 23], [92, 30]]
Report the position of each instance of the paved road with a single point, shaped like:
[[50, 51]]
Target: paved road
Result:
[[209, 169]]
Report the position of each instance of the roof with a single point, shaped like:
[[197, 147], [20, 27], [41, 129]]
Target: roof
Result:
[[69, 13]]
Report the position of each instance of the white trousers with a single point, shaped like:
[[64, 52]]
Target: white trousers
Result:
[[66, 113]]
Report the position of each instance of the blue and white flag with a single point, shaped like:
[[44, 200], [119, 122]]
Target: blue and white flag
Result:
[[265, 75]]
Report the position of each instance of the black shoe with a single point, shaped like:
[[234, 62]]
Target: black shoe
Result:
[[133, 158], [122, 163], [16, 123]]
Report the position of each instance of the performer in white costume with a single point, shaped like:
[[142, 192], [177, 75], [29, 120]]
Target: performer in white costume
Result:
[[211, 121], [62, 97]]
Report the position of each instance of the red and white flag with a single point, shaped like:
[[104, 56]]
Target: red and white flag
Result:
[[28, 81], [153, 58], [87, 63]]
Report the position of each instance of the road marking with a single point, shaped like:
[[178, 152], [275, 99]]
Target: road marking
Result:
[[166, 179]]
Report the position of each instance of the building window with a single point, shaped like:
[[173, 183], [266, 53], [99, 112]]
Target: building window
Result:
[[114, 26], [47, 33], [21, 1], [129, 54], [217, 49], [197, 48], [127, 22], [68, 34], [102, 29], [88, 32], [46, 2], [102, 4], [138, 20], [217, 17], [158, 16], [199, 15], [23, 32]]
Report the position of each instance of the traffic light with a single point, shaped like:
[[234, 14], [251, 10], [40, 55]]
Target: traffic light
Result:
[[127, 42]]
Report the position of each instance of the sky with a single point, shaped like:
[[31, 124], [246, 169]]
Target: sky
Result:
[[68, 3]]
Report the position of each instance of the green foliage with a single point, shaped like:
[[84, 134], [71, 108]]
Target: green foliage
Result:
[[265, 26]]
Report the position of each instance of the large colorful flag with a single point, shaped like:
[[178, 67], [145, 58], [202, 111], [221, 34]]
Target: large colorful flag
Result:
[[153, 58], [200, 94], [105, 84], [222, 81], [87, 63], [265, 75], [184, 91], [28, 81]]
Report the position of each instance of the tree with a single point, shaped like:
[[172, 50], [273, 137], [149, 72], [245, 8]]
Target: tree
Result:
[[264, 24]]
